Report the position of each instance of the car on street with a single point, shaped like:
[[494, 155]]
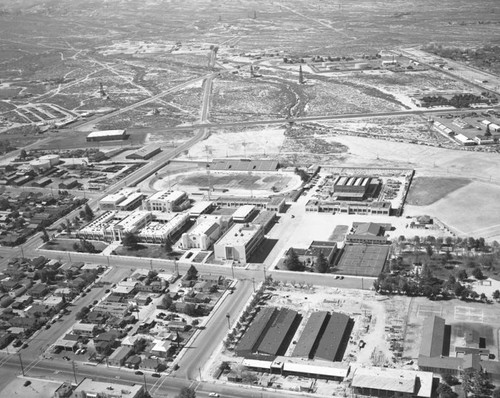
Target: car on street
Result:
[[66, 358], [139, 373], [156, 375], [213, 394]]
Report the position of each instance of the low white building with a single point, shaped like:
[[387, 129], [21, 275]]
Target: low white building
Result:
[[244, 213]]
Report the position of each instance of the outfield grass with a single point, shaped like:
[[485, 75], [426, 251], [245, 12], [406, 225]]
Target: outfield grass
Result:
[[427, 190]]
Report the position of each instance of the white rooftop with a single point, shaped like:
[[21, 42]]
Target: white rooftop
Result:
[[243, 212], [167, 196], [238, 235], [105, 133]]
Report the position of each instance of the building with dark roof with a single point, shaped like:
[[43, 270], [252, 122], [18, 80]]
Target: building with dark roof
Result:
[[433, 332], [254, 334], [145, 153], [310, 255], [265, 219], [280, 332], [311, 335], [334, 336], [368, 233]]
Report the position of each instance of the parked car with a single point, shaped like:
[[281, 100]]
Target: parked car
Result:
[[156, 375], [139, 373]]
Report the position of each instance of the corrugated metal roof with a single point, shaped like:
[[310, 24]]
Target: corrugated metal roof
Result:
[[310, 334], [275, 336]]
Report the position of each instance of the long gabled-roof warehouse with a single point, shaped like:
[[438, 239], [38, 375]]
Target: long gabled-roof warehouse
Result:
[[432, 337], [254, 334], [311, 335], [279, 334], [333, 337]]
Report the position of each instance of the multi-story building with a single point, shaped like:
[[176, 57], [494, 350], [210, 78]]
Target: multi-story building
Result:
[[203, 235], [167, 201], [158, 231], [238, 243]]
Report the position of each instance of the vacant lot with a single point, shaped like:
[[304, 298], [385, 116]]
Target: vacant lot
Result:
[[427, 190]]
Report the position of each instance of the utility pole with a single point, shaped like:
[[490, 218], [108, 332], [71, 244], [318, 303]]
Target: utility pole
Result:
[[253, 282], [21, 361], [232, 269], [22, 251], [145, 383], [151, 264], [74, 371], [199, 371], [228, 320], [264, 269]]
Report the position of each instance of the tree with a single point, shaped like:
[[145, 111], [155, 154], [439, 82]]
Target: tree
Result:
[[192, 273], [429, 251], [187, 392], [477, 273], [168, 246], [89, 214], [167, 301], [321, 263], [445, 391], [496, 294], [45, 236], [130, 241], [462, 275], [22, 154], [292, 261], [496, 393]]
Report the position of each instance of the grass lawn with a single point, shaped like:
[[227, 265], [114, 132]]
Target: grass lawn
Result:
[[148, 251], [66, 245], [427, 190]]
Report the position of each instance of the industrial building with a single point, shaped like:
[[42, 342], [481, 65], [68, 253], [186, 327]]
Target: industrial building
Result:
[[145, 153], [167, 201], [279, 333], [238, 243], [335, 337], [270, 332], [386, 382], [310, 336], [107, 135], [265, 219], [433, 333], [253, 336]]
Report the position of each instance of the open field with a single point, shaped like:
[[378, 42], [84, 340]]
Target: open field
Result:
[[427, 190], [66, 245], [232, 183], [469, 210]]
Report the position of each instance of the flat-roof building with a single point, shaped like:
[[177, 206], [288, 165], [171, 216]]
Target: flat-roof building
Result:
[[244, 213], [167, 201], [91, 388], [107, 135], [238, 243], [158, 232], [200, 208], [386, 382]]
